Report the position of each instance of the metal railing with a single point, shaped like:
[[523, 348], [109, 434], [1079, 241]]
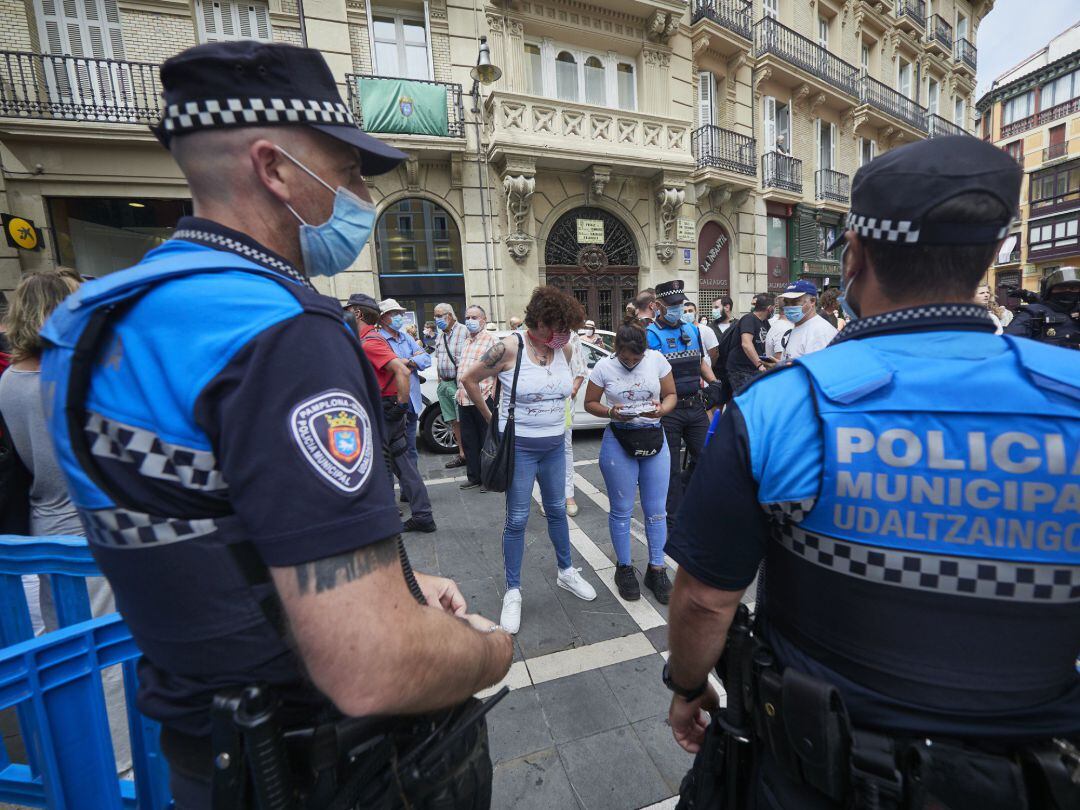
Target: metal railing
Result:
[[1055, 151], [781, 171], [896, 104], [966, 53], [913, 10], [723, 149], [939, 127], [772, 37], [1043, 117], [832, 185], [455, 113], [940, 32], [735, 15], [76, 88]]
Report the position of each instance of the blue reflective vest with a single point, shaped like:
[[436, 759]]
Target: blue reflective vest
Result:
[[927, 524], [681, 347]]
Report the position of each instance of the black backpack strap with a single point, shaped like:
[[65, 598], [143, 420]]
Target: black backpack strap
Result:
[[513, 387]]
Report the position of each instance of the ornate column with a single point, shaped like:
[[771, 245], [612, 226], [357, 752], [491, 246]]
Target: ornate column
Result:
[[519, 183], [657, 84], [516, 76], [670, 197]]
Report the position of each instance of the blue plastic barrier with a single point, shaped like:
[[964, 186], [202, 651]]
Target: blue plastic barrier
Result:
[[54, 681]]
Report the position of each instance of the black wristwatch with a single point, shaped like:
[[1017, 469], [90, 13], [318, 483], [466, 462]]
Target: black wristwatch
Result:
[[686, 694]]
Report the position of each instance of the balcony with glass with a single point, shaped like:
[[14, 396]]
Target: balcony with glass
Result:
[[911, 15], [939, 35], [966, 55], [724, 18], [78, 89], [796, 61], [781, 176]]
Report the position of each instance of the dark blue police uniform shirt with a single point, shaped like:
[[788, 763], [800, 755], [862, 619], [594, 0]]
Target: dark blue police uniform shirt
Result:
[[233, 388], [938, 589]]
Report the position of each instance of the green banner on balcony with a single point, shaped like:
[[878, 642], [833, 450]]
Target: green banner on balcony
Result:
[[410, 108]]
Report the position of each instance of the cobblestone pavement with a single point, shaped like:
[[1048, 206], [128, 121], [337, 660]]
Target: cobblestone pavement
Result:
[[585, 725]]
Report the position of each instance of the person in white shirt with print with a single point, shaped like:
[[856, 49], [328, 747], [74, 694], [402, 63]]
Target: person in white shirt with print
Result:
[[811, 332]]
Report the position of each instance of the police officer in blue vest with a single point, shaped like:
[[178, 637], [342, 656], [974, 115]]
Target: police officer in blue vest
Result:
[[679, 340], [221, 433], [914, 493]]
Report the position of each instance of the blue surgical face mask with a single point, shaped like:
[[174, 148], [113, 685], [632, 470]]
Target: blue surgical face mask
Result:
[[332, 247], [396, 322], [672, 316], [688, 317], [842, 300], [717, 314], [472, 325], [793, 314], [440, 323]]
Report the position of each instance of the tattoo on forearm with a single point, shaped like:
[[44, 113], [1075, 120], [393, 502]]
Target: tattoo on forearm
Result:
[[493, 356], [327, 574]]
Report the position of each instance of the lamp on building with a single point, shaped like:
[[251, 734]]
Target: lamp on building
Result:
[[484, 72]]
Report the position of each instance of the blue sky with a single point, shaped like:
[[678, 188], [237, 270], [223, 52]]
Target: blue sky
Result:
[[1015, 29]]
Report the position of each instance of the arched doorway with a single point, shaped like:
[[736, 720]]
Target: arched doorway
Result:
[[419, 253], [714, 264], [591, 254]]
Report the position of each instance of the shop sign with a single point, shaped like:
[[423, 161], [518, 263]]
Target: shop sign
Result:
[[21, 233], [590, 231], [684, 230]]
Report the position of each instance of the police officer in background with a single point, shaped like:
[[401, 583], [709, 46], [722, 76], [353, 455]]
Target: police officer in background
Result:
[[220, 431], [1055, 317], [912, 490], [681, 345]]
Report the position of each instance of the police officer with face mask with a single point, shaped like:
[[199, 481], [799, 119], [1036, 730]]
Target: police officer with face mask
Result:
[[912, 491], [1055, 318], [221, 434]]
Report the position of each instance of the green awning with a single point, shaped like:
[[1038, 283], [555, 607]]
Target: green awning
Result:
[[404, 107]]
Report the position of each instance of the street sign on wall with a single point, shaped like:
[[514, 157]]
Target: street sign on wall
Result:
[[684, 230], [590, 231], [21, 233]]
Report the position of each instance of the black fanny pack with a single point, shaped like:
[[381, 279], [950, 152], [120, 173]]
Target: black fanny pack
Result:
[[639, 442]]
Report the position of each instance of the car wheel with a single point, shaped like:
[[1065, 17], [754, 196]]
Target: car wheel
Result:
[[436, 433]]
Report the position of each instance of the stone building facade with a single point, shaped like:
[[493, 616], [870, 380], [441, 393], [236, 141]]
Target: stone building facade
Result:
[[625, 143]]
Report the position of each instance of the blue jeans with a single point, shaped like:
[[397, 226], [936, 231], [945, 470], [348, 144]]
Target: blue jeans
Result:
[[623, 476], [548, 467]]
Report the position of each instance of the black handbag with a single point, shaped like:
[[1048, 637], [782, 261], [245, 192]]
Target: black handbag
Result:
[[15, 481], [497, 454], [643, 442]]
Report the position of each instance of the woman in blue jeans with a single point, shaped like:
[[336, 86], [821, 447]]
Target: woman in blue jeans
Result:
[[543, 386], [639, 388]]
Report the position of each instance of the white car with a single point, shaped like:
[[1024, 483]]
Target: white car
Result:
[[438, 437]]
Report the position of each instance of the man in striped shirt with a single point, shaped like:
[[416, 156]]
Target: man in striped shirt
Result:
[[449, 341], [473, 426]]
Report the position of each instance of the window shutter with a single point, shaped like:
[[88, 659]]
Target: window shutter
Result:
[[706, 93], [770, 124], [808, 237], [832, 146], [233, 19]]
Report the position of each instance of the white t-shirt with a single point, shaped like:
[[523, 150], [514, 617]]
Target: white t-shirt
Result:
[[622, 387], [777, 338], [811, 336], [708, 338]]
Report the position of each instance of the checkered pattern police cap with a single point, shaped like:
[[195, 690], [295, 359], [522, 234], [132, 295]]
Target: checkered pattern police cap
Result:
[[891, 194], [247, 83]]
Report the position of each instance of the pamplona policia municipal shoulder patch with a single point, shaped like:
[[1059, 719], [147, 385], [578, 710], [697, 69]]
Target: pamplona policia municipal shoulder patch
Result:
[[333, 431]]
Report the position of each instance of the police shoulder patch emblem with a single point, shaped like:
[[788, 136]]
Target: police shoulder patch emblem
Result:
[[333, 432]]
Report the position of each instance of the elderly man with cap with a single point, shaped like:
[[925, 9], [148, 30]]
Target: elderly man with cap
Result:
[[1055, 317], [810, 332], [220, 431], [915, 646], [681, 345]]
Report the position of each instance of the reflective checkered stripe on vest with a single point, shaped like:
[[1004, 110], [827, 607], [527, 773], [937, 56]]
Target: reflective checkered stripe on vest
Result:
[[949, 514]]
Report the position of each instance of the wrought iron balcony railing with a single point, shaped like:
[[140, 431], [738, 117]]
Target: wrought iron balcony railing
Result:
[[940, 32], [718, 148], [735, 15], [76, 88], [781, 171], [832, 185], [455, 114], [912, 9], [939, 127], [879, 95], [1043, 117], [966, 53], [1055, 151], [772, 37]]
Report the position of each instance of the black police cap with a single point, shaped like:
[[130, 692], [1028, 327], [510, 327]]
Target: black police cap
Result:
[[891, 194], [670, 292], [248, 83]]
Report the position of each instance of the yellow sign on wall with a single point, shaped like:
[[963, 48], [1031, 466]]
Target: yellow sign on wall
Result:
[[590, 231], [21, 233]]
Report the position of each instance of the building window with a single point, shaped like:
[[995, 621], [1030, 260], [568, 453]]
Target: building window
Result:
[[867, 150], [566, 83], [440, 226], [777, 126], [401, 47], [1058, 91], [1060, 236], [404, 225], [1055, 186], [903, 78], [624, 74], [771, 8], [1015, 150], [594, 82], [959, 113], [535, 66], [823, 32], [706, 85], [864, 59], [961, 26], [1018, 107], [932, 90], [222, 20], [826, 142]]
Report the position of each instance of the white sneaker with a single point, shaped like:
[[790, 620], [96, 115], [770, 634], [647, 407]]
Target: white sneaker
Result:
[[572, 580], [511, 612], [571, 508]]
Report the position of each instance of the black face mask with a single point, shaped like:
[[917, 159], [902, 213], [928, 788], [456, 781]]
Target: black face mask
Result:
[[628, 368], [1064, 302]]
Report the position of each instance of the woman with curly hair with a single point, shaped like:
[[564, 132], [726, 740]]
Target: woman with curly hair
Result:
[[544, 383]]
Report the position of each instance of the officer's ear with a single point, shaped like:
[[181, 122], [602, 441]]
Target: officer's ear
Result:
[[275, 172], [855, 258]]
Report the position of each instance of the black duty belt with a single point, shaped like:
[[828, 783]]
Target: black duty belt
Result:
[[447, 379]]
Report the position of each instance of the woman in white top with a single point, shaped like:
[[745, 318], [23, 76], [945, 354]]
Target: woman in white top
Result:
[[984, 298], [543, 387], [639, 389]]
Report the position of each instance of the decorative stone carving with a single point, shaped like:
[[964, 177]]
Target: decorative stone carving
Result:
[[517, 28], [762, 75], [699, 44], [668, 202], [800, 96], [661, 26], [495, 23], [519, 191], [671, 27], [655, 58], [599, 177], [816, 102], [412, 174]]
